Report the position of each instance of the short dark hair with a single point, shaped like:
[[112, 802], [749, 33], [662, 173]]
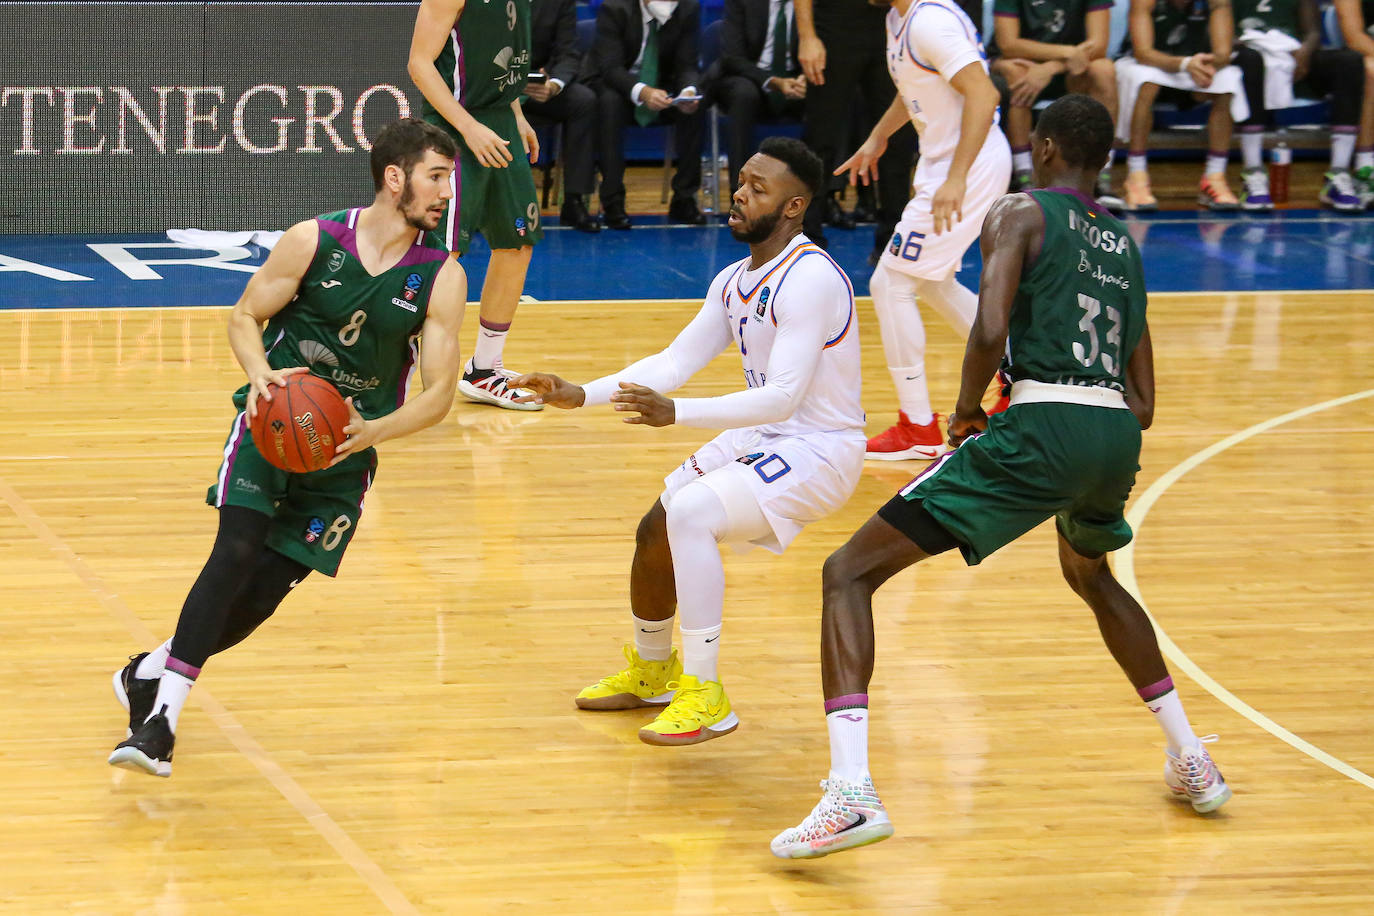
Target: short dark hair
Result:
[[404, 144], [798, 158], [1082, 127]]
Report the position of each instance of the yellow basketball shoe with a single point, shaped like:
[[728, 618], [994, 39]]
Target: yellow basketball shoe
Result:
[[644, 683], [699, 712]]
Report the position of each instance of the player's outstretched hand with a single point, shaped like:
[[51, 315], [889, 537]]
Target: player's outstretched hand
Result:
[[260, 386], [359, 432], [863, 165], [653, 408], [962, 425], [549, 389]]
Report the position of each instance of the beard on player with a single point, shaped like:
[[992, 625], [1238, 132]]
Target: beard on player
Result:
[[425, 217], [756, 230]]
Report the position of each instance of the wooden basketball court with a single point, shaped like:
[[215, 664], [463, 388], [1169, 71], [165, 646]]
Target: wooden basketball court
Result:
[[403, 739]]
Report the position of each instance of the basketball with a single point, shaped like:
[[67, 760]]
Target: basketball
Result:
[[298, 429]]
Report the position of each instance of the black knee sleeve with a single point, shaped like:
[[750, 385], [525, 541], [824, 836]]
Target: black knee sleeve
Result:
[[272, 579]]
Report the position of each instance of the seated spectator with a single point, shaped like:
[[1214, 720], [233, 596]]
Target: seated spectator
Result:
[[1278, 48], [643, 68], [559, 98], [1356, 18], [1180, 47], [1045, 48], [757, 77]]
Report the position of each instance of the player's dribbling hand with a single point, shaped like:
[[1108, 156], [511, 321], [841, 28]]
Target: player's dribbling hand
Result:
[[947, 206], [488, 147], [548, 389], [863, 165], [359, 433], [653, 408], [259, 386], [962, 425]]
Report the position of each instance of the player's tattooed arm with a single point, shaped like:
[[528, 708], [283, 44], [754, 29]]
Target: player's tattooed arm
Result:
[[1011, 239], [269, 291]]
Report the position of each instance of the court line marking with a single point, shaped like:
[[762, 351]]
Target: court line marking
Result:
[[1125, 573], [696, 300], [369, 871]]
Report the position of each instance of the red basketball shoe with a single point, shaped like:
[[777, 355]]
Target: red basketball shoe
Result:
[[908, 440]]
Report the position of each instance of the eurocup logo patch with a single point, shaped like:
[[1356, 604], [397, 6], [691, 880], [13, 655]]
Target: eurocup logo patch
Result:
[[750, 458], [413, 284], [896, 246], [520, 225], [336, 260], [314, 530]]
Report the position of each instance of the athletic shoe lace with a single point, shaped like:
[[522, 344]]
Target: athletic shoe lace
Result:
[[630, 678], [1342, 182], [689, 704], [1256, 183], [1195, 768]]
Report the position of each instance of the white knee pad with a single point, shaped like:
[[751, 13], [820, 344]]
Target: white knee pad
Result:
[[723, 503]]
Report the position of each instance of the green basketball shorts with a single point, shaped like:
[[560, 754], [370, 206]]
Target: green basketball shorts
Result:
[[1074, 462], [500, 203], [313, 515]]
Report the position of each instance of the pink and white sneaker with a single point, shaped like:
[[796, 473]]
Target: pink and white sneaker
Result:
[[1193, 777], [849, 815]]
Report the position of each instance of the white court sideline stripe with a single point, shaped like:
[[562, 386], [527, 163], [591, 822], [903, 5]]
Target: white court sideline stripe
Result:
[[1125, 571]]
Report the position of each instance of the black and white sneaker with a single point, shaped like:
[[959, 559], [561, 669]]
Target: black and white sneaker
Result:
[[488, 386], [134, 693], [148, 749]]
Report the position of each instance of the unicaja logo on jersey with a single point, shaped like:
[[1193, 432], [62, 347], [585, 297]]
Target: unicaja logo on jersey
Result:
[[336, 260], [515, 65], [316, 354]]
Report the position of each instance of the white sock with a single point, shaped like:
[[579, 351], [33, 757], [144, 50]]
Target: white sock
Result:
[[1342, 148], [1252, 148], [152, 663], [1216, 165], [848, 727], [700, 649], [912, 394], [491, 340], [1021, 161], [1168, 712], [172, 691], [1135, 162], [1364, 157], [653, 638]]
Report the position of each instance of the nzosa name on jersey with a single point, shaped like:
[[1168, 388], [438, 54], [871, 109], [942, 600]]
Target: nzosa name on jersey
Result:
[[1094, 235], [266, 118]]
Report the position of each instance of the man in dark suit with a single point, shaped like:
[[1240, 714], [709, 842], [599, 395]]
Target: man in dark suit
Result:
[[758, 76], [644, 57], [559, 98]]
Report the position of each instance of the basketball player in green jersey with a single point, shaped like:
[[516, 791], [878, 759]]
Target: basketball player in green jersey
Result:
[[345, 296], [1062, 295], [471, 61]]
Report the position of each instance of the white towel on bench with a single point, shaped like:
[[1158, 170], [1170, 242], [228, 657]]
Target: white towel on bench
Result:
[[1277, 50], [1131, 74]]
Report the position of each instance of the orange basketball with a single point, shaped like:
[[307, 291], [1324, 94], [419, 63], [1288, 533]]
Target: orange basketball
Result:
[[298, 429]]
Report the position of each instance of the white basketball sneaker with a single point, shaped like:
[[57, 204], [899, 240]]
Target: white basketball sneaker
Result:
[[849, 815], [1192, 776]]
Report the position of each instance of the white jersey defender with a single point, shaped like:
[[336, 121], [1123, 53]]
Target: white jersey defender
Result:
[[793, 441]]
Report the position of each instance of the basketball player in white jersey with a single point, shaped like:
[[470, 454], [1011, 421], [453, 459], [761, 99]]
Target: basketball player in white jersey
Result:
[[937, 62], [791, 453]]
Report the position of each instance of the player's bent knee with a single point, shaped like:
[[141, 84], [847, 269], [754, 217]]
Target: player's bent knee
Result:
[[653, 529]]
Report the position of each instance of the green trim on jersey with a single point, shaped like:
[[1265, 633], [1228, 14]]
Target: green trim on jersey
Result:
[[1080, 308]]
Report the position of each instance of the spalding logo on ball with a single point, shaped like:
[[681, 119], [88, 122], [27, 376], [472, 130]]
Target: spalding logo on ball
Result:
[[298, 429]]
